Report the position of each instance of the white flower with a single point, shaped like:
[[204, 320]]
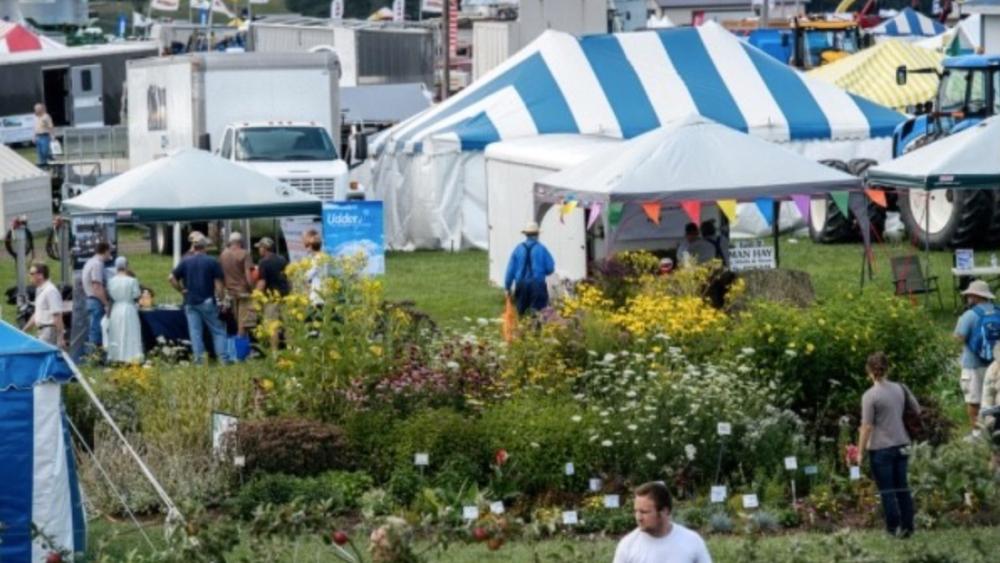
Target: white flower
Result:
[[482, 322], [690, 451], [608, 358], [747, 351], [452, 365], [607, 443], [535, 445], [576, 418], [630, 393], [605, 413], [633, 427], [791, 353], [650, 456]]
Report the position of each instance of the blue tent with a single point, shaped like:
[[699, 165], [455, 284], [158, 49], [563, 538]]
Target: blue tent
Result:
[[909, 23], [38, 481]]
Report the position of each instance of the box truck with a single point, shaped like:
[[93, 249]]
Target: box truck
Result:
[[277, 113]]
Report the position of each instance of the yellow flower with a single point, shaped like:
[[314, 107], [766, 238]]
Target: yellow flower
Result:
[[267, 385]]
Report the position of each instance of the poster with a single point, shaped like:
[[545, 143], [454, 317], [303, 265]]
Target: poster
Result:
[[752, 254], [222, 424], [292, 228], [88, 230], [355, 227]]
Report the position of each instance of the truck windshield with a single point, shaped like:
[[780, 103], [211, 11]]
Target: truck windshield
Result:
[[820, 41], [284, 143]]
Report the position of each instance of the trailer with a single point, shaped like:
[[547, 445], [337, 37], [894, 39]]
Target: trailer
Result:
[[80, 86], [369, 52]]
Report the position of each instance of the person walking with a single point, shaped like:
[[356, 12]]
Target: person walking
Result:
[[237, 270], [970, 332], [529, 264], [48, 315], [124, 332], [656, 538], [272, 282], [44, 133], [694, 250], [199, 277], [94, 280], [884, 438]]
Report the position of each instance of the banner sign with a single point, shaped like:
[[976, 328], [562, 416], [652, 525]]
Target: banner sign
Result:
[[355, 227], [431, 6], [165, 5], [292, 228], [751, 255], [88, 230]]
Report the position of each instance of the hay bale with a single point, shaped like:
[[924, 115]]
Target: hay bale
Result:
[[782, 286]]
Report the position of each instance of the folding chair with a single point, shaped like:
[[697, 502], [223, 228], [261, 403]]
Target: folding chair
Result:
[[908, 278]]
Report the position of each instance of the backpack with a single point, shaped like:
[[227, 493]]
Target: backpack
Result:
[[985, 334]]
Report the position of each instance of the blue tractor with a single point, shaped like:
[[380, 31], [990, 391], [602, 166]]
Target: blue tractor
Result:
[[969, 92]]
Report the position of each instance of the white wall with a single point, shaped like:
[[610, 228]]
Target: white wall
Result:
[[991, 33]]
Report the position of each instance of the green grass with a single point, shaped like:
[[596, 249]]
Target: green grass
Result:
[[120, 538]]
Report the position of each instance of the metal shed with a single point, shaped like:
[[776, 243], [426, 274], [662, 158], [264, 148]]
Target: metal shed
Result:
[[24, 190]]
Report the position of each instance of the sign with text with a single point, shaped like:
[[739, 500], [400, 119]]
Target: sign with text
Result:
[[752, 254], [355, 227], [86, 231]]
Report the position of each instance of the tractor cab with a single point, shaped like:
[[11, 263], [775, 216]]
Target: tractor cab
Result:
[[802, 42], [969, 92]]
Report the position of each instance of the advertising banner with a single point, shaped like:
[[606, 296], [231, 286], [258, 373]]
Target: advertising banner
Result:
[[355, 227], [751, 255]]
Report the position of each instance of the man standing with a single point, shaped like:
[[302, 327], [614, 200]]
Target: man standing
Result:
[[694, 250], [529, 264], [44, 132], [980, 300], [273, 282], [199, 277], [717, 240], [236, 269], [48, 317], [656, 539], [94, 280]]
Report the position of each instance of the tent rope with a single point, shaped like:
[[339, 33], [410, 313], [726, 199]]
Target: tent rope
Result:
[[107, 477]]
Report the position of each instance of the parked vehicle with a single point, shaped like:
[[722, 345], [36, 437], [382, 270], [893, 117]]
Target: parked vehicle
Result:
[[803, 42], [968, 93]]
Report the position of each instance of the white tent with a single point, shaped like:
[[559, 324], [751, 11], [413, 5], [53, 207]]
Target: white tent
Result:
[[193, 185], [964, 160]]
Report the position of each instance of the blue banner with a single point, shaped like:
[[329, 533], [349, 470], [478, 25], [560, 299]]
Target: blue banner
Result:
[[354, 227]]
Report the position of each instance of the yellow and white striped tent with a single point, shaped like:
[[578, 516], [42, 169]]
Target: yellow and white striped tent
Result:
[[871, 73]]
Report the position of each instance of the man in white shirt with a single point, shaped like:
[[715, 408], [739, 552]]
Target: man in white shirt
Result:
[[657, 539], [694, 250], [48, 308]]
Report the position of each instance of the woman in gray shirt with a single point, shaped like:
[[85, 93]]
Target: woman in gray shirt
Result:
[[884, 437]]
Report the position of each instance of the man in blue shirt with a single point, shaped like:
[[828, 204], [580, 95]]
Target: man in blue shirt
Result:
[[529, 264], [978, 295], [199, 277]]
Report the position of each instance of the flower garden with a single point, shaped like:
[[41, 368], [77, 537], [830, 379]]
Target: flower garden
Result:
[[407, 439]]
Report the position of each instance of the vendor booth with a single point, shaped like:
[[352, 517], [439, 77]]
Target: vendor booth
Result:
[[38, 481], [626, 189]]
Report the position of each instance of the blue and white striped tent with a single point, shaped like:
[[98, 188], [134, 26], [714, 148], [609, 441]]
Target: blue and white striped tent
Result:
[[38, 481], [909, 23], [623, 85], [430, 172]]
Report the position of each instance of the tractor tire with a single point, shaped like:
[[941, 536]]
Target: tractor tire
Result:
[[161, 238], [826, 223], [991, 236], [958, 218]]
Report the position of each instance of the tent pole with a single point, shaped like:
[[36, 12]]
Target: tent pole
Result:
[[927, 240], [172, 511], [776, 231], [65, 266], [177, 243]]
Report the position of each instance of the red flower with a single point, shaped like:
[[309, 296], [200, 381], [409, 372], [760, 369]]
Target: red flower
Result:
[[480, 534], [852, 454], [340, 538], [54, 557], [500, 457]]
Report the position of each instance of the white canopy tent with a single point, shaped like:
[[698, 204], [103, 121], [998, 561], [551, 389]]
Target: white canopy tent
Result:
[[668, 166]]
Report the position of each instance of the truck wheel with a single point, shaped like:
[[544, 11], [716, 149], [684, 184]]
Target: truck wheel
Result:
[[957, 217], [826, 223], [161, 238]]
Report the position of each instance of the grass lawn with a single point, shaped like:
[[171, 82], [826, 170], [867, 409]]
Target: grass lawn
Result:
[[956, 543]]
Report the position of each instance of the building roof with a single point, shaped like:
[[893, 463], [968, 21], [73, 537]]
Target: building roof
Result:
[[15, 167]]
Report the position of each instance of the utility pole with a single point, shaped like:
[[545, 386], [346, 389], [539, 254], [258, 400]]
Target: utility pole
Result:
[[446, 32]]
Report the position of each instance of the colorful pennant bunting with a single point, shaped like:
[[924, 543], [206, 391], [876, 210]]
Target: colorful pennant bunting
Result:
[[803, 204], [595, 212], [693, 210], [842, 201], [566, 208], [878, 196], [728, 208], [615, 213], [766, 207], [652, 210]]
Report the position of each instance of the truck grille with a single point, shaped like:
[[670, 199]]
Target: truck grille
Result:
[[322, 188]]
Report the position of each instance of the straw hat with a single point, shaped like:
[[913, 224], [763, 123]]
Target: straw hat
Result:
[[531, 228], [979, 288]]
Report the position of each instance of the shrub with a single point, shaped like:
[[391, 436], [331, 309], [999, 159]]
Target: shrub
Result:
[[720, 523], [292, 446], [954, 482], [454, 442], [343, 489]]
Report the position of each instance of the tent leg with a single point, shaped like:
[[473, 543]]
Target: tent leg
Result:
[[776, 232], [177, 243]]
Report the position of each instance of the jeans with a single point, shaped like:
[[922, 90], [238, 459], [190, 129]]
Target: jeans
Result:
[[889, 471], [207, 312], [95, 312], [531, 295], [43, 147]]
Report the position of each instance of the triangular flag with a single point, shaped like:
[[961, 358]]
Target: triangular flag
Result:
[[652, 210], [766, 207], [595, 212], [615, 213], [841, 199], [878, 196], [728, 208], [803, 204], [693, 210], [565, 209]]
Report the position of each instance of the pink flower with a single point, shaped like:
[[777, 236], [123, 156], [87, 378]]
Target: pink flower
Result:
[[500, 457], [852, 454]]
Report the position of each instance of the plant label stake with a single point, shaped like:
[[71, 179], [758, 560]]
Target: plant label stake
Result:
[[750, 501], [497, 507], [595, 484], [570, 470], [240, 461], [470, 512], [723, 429], [791, 465], [569, 518], [421, 459], [855, 473], [810, 470], [611, 501], [718, 493]]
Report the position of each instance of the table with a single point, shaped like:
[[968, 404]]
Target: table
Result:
[[169, 324]]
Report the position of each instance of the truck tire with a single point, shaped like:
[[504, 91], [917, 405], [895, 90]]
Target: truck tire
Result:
[[826, 223], [161, 238], [991, 236], [957, 217]]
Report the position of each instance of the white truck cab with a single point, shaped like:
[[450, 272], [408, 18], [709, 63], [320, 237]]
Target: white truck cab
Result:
[[298, 153]]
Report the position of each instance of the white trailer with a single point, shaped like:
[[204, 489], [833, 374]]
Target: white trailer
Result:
[[173, 102]]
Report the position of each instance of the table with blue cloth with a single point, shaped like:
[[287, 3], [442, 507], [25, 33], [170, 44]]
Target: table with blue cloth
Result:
[[171, 326]]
